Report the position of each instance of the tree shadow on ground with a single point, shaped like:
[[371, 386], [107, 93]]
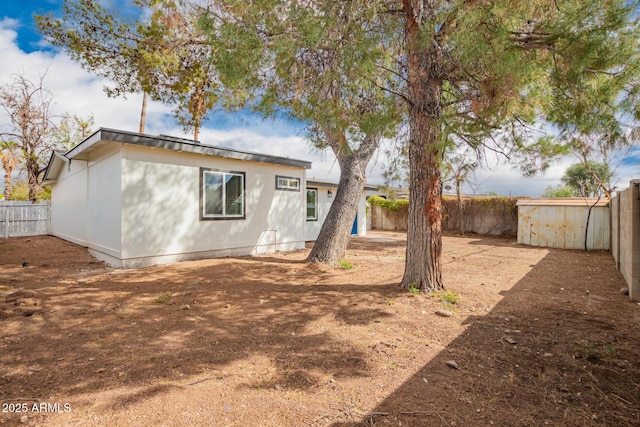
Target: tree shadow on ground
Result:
[[134, 335], [550, 353], [142, 329]]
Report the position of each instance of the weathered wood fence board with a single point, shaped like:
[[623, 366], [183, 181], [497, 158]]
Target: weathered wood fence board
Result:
[[24, 218]]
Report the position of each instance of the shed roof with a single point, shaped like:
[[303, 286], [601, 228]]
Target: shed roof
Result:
[[564, 201], [105, 136]]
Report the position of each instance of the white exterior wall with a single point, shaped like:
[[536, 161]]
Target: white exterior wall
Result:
[[324, 204], [85, 203], [160, 209], [362, 216], [69, 203], [369, 208], [104, 205], [312, 229]]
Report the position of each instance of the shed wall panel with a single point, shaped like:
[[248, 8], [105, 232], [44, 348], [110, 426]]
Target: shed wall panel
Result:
[[563, 226], [576, 227]]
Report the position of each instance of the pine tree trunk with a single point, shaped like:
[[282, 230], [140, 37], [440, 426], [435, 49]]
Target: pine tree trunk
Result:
[[331, 244], [333, 239], [143, 112], [423, 267]]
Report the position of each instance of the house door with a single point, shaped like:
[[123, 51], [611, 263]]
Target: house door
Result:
[[354, 228]]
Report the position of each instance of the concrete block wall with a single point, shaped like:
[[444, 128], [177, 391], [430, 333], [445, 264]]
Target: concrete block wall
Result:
[[625, 236], [614, 208]]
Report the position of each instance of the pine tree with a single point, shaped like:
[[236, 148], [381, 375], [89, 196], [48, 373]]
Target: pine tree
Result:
[[319, 64], [159, 53], [487, 68], [482, 73]]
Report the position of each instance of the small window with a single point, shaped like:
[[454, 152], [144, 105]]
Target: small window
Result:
[[222, 195], [312, 204], [287, 183]]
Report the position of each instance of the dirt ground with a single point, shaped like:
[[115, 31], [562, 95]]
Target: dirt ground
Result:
[[538, 337]]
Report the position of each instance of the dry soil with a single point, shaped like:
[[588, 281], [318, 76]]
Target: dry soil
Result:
[[537, 337]]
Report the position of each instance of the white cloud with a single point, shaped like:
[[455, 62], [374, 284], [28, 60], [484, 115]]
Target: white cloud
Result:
[[507, 180], [74, 90], [324, 166], [9, 25]]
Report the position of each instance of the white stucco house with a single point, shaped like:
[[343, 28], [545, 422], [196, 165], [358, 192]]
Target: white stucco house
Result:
[[323, 193], [135, 200]]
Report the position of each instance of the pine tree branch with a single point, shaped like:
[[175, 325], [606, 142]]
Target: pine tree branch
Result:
[[400, 94], [395, 73]]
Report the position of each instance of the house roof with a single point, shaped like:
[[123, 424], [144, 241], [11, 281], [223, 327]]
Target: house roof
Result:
[[105, 136], [564, 201], [334, 185], [54, 166]]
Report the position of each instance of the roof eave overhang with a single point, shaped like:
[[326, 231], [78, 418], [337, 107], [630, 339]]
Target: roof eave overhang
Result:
[[313, 183], [82, 151], [56, 162]]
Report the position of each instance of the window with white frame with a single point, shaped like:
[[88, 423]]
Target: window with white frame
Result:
[[287, 183], [222, 194], [312, 204]]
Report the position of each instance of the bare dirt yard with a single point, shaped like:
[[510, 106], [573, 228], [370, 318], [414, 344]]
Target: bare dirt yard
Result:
[[538, 337]]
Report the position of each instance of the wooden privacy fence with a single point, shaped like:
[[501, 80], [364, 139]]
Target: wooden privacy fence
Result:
[[24, 218]]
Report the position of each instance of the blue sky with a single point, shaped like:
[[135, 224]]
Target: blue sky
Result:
[[78, 92], [22, 11]]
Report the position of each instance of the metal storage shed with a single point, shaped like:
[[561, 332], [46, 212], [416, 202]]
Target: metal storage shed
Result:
[[561, 223]]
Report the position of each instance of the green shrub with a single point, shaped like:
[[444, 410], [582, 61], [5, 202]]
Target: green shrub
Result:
[[344, 264], [449, 297], [164, 298], [391, 205]]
